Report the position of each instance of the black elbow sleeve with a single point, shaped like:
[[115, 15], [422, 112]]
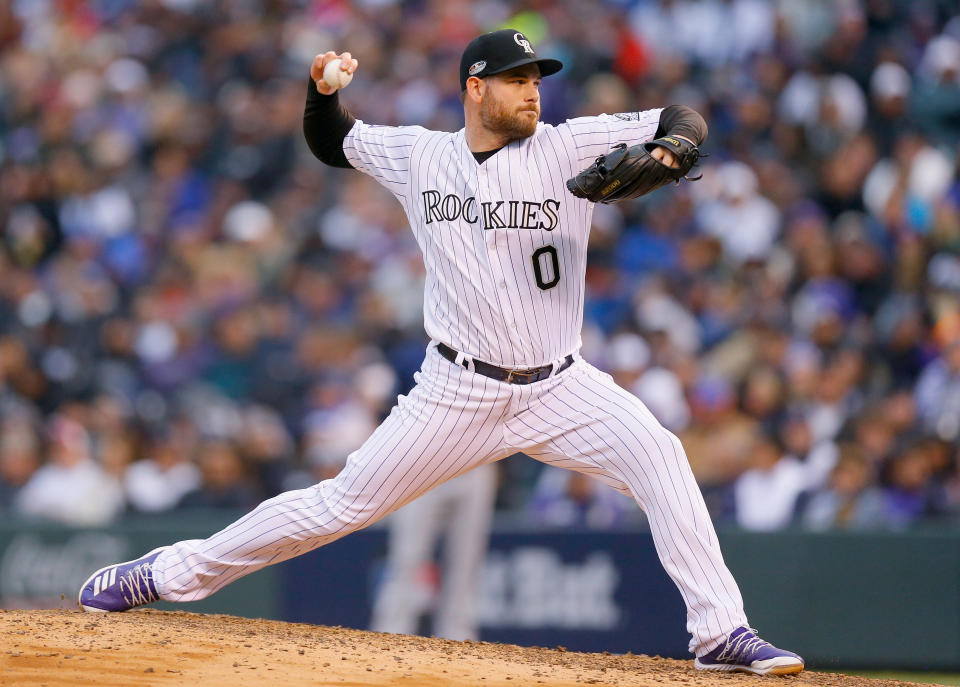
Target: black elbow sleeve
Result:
[[681, 120]]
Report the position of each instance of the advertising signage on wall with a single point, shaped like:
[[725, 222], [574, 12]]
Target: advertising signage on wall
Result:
[[586, 591]]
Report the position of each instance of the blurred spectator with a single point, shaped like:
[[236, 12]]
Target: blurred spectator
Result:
[[937, 97], [874, 435], [267, 447], [762, 396], [911, 493], [817, 458], [338, 424], [849, 501], [902, 344], [765, 495], [746, 222], [71, 488], [225, 482], [890, 87], [837, 395], [938, 391], [628, 358], [19, 459], [161, 479], [950, 476], [720, 437]]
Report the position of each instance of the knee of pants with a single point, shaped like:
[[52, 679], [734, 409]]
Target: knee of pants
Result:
[[660, 443], [638, 455], [346, 509]]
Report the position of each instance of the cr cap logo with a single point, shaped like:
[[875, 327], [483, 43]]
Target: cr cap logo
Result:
[[477, 67], [521, 40]]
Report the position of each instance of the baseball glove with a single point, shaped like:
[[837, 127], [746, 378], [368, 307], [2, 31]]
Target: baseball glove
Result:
[[632, 172]]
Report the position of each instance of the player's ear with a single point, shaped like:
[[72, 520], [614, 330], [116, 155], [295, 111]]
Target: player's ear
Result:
[[475, 88]]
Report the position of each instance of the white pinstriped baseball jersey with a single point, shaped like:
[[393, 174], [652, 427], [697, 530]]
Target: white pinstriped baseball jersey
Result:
[[504, 242]]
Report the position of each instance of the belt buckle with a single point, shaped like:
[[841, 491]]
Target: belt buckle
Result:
[[511, 374]]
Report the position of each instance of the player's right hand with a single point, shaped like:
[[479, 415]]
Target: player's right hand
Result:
[[348, 64]]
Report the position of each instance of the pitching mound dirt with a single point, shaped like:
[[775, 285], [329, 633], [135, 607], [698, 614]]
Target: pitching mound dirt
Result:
[[148, 647]]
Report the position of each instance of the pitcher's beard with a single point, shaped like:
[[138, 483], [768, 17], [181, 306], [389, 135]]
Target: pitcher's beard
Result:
[[495, 118]]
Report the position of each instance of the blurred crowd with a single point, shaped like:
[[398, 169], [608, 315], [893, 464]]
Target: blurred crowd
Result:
[[194, 312]]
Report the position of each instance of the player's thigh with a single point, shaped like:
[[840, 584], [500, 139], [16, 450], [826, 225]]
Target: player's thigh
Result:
[[591, 425], [448, 424]]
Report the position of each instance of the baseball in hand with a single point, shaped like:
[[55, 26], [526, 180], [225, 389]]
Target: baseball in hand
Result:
[[334, 76]]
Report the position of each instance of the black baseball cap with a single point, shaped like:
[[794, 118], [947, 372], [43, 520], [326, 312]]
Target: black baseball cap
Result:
[[499, 51]]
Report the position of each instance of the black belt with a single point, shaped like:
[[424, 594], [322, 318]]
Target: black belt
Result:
[[502, 374]]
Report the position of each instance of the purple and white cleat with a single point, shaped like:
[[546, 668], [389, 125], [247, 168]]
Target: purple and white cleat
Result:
[[121, 586], [744, 652]]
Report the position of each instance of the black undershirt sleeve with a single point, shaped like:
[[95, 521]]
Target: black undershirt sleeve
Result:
[[680, 120], [325, 124]]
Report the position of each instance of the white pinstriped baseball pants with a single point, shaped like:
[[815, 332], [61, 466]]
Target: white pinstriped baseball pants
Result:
[[454, 420]]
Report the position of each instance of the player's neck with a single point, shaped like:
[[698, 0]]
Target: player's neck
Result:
[[480, 139]]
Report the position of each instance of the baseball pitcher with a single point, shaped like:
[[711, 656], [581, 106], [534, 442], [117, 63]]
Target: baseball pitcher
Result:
[[501, 210]]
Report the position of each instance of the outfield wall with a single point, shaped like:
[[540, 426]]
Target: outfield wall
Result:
[[866, 600]]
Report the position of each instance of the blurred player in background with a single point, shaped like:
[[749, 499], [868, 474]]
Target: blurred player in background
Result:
[[459, 513]]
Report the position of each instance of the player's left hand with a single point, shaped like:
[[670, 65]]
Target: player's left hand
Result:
[[635, 171]]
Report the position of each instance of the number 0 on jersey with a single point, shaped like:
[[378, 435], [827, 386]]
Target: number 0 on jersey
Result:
[[546, 267]]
